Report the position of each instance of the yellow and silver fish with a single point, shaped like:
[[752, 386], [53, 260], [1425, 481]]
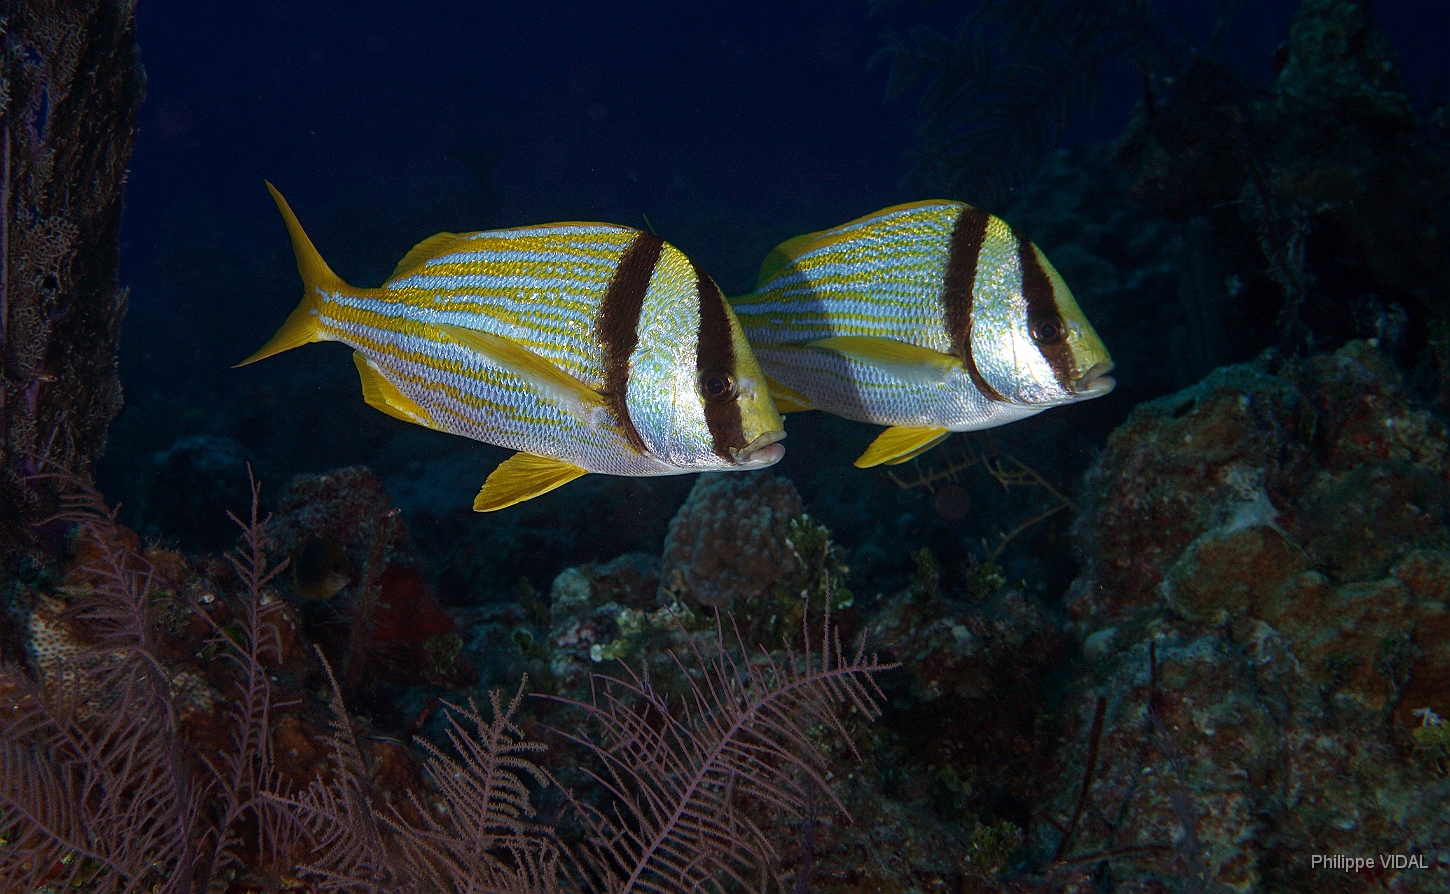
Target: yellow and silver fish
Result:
[[931, 318], [586, 347]]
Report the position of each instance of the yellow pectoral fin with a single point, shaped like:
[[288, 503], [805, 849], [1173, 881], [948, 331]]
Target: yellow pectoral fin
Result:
[[521, 477], [380, 394], [788, 400], [783, 255], [907, 362], [898, 444], [431, 247], [577, 397]]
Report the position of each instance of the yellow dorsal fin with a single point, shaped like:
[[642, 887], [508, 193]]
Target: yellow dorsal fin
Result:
[[788, 400], [898, 444], [380, 394], [908, 362], [791, 249], [301, 326], [783, 255], [521, 477], [573, 394], [431, 247]]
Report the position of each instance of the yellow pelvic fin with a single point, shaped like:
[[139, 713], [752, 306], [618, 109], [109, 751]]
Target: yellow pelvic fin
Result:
[[432, 247], [908, 362], [898, 444], [788, 400], [783, 255], [521, 477], [576, 397], [380, 394], [301, 325]]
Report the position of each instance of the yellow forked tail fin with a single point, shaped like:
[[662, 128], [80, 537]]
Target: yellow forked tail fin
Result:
[[301, 326]]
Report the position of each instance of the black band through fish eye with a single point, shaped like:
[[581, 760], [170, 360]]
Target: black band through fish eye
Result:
[[715, 355], [1042, 309], [1048, 330], [717, 385]]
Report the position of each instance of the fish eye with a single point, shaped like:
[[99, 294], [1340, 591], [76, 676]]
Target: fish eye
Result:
[[717, 386], [1048, 330]]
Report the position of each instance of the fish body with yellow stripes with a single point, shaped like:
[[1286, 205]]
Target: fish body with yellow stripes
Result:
[[930, 318], [585, 347]]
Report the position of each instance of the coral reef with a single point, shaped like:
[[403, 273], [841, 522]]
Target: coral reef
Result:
[[1250, 666], [1277, 537], [357, 578], [1326, 195], [728, 542], [147, 762], [969, 725]]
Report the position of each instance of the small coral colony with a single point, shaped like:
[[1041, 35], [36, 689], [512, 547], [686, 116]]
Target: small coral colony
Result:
[[600, 348]]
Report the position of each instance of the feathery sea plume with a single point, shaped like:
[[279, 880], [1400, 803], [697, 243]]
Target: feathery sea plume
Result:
[[100, 785], [681, 779], [105, 783]]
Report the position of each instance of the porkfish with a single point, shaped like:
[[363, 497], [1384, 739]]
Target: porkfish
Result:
[[585, 347], [930, 318]]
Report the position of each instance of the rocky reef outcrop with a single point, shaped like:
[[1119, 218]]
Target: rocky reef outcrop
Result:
[[1264, 614]]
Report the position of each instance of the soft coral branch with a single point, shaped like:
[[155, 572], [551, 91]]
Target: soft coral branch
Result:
[[99, 784], [682, 780]]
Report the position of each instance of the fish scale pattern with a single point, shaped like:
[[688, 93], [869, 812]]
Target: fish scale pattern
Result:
[[898, 258]]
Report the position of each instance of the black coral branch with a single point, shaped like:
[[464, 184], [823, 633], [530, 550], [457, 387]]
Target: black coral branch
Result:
[[685, 783], [1003, 89]]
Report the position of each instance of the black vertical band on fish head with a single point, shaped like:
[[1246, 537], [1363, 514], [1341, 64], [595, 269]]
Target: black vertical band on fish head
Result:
[[1044, 321], [715, 355], [618, 326], [959, 288]]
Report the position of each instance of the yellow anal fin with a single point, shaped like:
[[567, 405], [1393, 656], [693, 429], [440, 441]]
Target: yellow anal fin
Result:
[[898, 444], [573, 394], [432, 247], [788, 400], [380, 394], [521, 477], [898, 359]]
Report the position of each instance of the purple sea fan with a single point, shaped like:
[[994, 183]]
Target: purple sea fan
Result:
[[748, 732]]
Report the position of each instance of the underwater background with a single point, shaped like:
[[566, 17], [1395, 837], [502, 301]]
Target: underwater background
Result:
[[1190, 636]]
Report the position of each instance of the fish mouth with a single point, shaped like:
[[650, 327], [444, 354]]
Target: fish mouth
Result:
[[765, 450], [1096, 382]]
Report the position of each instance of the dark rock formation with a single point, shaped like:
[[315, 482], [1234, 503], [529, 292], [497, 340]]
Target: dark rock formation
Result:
[[72, 84]]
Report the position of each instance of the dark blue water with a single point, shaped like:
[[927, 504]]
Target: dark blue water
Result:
[[724, 127]]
